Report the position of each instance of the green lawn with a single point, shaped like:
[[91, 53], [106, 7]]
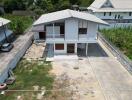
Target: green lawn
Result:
[[122, 38], [29, 74]]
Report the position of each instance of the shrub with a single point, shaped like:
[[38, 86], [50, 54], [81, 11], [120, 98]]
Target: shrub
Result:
[[18, 23], [121, 37]]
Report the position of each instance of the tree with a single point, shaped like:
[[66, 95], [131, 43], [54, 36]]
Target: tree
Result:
[[39, 11], [74, 2], [11, 5], [19, 28], [46, 5], [63, 4]]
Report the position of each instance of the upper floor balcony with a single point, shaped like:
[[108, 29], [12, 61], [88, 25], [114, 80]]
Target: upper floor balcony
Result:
[[50, 38], [55, 37]]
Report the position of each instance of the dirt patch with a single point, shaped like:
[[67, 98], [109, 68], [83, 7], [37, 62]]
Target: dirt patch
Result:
[[78, 84], [36, 51]]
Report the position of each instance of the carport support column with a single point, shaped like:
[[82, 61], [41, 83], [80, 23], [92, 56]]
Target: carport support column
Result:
[[86, 49], [53, 30], [54, 48]]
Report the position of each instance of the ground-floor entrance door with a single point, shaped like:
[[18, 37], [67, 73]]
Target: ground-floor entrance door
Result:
[[70, 48], [42, 35]]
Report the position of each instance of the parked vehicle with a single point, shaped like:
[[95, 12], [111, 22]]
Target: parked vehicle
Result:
[[6, 47]]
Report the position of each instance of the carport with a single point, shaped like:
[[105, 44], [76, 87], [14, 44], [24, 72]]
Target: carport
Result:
[[82, 49], [90, 50]]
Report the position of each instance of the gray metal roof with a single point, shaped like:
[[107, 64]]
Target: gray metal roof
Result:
[[64, 14]]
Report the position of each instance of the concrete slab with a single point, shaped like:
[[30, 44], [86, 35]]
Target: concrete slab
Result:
[[97, 77], [65, 57], [83, 78]]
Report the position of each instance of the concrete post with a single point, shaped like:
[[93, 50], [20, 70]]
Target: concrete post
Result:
[[54, 48], [75, 48], [53, 30], [86, 49]]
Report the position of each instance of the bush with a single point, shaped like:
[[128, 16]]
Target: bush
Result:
[[39, 11], [18, 23], [121, 37]]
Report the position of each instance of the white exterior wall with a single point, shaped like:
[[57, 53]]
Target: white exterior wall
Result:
[[72, 35], [49, 30], [101, 15], [36, 36], [71, 32], [60, 51], [65, 48], [92, 30], [39, 28], [71, 29]]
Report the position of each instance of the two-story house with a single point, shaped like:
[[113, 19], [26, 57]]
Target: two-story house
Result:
[[117, 13], [67, 30], [5, 33]]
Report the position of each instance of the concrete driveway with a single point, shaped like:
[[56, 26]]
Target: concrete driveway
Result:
[[98, 78]]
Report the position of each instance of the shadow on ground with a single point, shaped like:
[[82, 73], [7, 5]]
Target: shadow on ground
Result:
[[94, 50]]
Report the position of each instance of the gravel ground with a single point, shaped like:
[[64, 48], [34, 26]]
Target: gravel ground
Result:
[[36, 51]]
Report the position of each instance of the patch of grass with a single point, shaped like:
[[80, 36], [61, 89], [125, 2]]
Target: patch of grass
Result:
[[29, 74], [122, 38]]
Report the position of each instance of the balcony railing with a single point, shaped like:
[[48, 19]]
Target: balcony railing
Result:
[[55, 36]]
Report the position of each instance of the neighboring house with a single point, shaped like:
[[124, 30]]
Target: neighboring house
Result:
[[66, 31], [115, 12], [5, 33]]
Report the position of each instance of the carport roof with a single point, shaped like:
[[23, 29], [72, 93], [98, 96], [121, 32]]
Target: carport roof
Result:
[[4, 21], [64, 14]]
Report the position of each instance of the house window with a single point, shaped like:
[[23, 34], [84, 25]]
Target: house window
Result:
[[104, 13], [118, 16], [115, 16], [59, 46], [110, 14], [83, 25], [130, 13], [82, 30]]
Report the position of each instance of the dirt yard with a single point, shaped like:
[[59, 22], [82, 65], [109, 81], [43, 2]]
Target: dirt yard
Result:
[[36, 51], [83, 84]]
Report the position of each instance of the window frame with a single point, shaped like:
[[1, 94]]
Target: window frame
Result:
[[104, 13], [130, 13], [110, 13], [82, 33], [59, 46]]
